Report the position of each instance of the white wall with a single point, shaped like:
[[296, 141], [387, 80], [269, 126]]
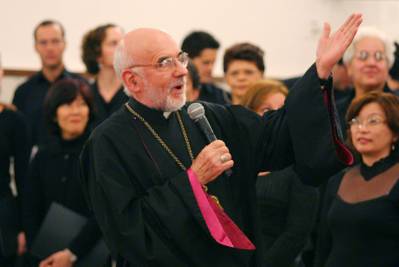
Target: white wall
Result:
[[286, 29]]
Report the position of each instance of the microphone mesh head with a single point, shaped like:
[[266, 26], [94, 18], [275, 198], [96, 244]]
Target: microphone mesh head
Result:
[[196, 111]]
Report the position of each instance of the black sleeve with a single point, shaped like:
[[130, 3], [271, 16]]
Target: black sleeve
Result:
[[323, 245], [33, 202], [21, 154], [18, 98], [275, 141], [300, 220], [86, 239], [317, 145], [303, 132], [265, 139]]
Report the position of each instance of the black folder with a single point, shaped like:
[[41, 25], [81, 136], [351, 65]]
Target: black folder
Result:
[[58, 229]]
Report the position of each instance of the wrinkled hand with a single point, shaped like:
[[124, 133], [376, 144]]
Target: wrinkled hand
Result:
[[21, 243], [58, 259], [331, 48], [208, 165]]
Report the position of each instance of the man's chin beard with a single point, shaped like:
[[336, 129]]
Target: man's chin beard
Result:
[[174, 104]]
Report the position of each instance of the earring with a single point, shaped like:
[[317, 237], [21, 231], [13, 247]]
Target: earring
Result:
[[393, 147]]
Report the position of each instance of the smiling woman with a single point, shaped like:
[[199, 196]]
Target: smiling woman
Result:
[[362, 202], [68, 108], [53, 174]]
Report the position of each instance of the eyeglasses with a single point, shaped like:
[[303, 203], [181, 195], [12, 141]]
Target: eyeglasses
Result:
[[167, 63], [364, 55], [372, 121]]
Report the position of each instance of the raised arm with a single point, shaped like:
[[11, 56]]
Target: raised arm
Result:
[[332, 47]]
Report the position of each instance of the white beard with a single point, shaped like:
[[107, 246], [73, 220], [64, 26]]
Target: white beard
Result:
[[167, 104], [174, 104]]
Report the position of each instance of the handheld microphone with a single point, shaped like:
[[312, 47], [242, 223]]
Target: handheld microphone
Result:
[[196, 112]]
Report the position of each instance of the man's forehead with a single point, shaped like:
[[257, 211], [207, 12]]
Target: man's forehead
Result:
[[46, 31], [150, 42], [145, 36]]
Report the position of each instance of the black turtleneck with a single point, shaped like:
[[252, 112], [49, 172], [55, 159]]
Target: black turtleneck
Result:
[[365, 233], [368, 172]]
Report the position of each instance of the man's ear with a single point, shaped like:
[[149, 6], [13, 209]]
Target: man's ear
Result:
[[131, 81]]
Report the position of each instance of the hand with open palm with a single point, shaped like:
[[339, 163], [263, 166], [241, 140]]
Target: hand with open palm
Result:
[[332, 47]]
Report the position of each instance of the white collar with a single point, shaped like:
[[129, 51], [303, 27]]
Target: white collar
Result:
[[166, 114]]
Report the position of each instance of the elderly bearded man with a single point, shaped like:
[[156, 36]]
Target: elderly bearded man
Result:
[[160, 192]]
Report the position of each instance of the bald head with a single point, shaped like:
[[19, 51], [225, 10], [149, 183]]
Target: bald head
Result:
[[152, 68], [145, 40], [137, 44]]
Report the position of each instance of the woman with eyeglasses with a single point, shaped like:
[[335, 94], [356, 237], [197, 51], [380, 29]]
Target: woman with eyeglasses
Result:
[[98, 49], [360, 217], [53, 175], [367, 60], [287, 207]]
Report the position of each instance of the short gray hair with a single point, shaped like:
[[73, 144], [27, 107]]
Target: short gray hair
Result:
[[122, 60], [364, 32]]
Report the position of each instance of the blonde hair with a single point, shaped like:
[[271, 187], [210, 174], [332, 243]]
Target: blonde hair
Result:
[[256, 94]]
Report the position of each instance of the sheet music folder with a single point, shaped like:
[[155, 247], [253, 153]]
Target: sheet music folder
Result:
[[58, 229]]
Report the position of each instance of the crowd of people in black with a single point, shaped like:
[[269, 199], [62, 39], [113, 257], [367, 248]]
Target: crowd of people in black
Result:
[[350, 220]]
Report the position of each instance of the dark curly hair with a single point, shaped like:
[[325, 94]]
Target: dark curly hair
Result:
[[244, 51], [91, 47], [63, 92]]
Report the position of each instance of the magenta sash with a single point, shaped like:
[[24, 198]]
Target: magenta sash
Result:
[[219, 224]]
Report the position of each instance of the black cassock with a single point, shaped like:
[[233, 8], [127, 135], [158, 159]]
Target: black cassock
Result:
[[143, 200]]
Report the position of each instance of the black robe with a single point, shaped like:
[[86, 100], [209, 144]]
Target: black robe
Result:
[[143, 200]]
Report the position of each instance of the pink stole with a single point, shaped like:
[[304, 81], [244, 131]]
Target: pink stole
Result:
[[219, 224]]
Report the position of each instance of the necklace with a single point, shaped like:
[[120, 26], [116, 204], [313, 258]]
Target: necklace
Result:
[[166, 147]]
